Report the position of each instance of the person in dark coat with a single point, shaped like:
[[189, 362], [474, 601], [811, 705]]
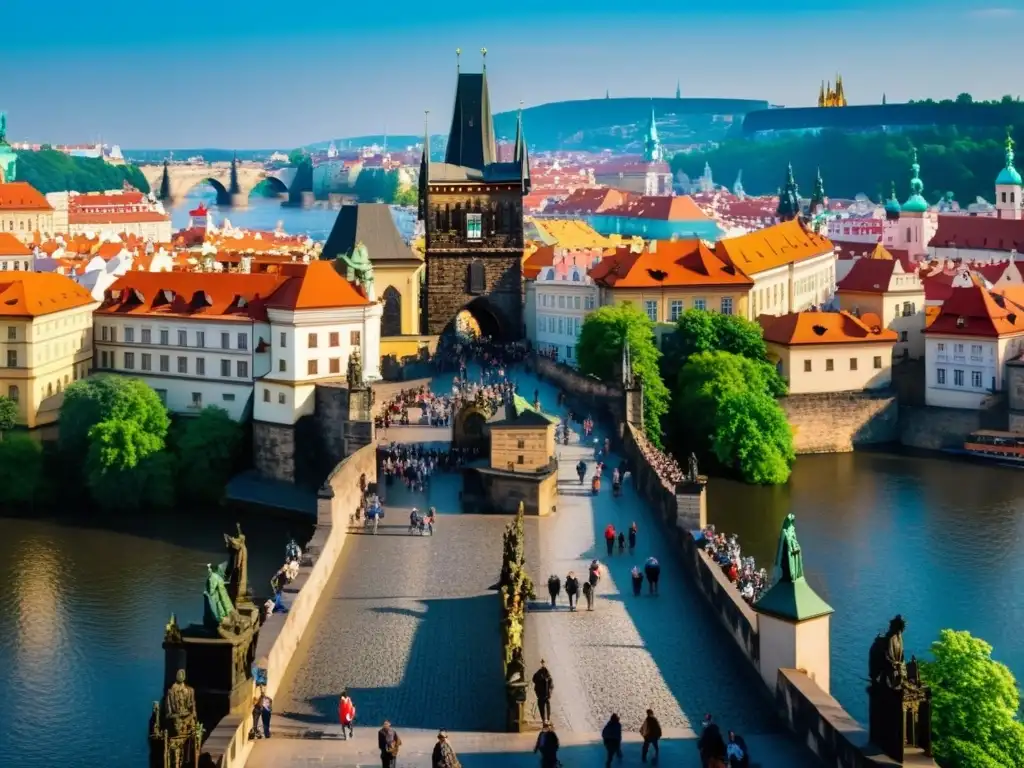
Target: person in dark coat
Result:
[[638, 581], [652, 570], [572, 589], [737, 752], [588, 594], [543, 687], [710, 744], [650, 732], [547, 745], [612, 737], [389, 743], [444, 756], [554, 588], [632, 537]]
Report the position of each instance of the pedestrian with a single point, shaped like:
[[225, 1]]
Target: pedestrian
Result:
[[346, 714], [444, 756], [736, 750], [652, 570], [257, 715], [650, 732], [554, 588], [572, 588], [638, 581], [612, 737], [632, 537], [388, 742], [711, 744], [543, 687], [588, 593], [609, 538], [547, 745], [266, 710], [622, 542]]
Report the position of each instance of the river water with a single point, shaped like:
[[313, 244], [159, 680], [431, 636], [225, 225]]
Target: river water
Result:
[[264, 214]]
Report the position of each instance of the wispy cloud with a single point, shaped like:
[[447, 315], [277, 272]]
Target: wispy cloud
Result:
[[994, 13]]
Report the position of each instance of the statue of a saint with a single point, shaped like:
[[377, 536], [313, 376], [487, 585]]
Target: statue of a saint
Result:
[[693, 468], [886, 667], [789, 561], [238, 565], [217, 601], [179, 713], [3, 127], [355, 370]]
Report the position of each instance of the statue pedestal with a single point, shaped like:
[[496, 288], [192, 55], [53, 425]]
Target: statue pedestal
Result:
[[218, 668], [900, 719], [692, 504], [516, 702]]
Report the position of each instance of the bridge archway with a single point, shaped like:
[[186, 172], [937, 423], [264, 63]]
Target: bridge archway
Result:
[[187, 187], [484, 317], [268, 186]]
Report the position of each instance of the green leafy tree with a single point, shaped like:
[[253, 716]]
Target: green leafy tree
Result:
[[208, 454], [753, 437], [50, 171], [974, 704], [8, 415], [599, 350], [700, 331], [21, 470], [407, 196], [297, 157]]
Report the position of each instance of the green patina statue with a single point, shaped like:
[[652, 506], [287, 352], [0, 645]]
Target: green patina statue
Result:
[[3, 127], [789, 561], [359, 269], [217, 602]]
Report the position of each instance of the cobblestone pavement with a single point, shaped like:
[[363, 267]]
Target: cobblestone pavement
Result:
[[407, 624]]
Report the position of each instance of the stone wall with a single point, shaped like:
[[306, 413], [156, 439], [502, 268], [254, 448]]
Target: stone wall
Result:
[[228, 744], [448, 290], [274, 450], [933, 428], [586, 394], [840, 421]]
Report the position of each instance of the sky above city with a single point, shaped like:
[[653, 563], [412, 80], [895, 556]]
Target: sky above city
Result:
[[250, 74]]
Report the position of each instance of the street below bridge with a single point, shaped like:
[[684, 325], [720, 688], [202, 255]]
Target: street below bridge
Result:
[[410, 628]]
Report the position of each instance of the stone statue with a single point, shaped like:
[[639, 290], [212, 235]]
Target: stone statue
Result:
[[238, 565], [885, 661], [217, 601], [179, 715], [516, 671], [359, 269], [789, 561], [355, 370], [693, 467]]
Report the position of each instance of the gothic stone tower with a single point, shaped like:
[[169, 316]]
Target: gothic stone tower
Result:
[[472, 209]]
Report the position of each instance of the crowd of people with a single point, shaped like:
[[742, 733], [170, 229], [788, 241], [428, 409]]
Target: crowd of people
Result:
[[751, 581], [436, 410], [414, 463], [663, 463]]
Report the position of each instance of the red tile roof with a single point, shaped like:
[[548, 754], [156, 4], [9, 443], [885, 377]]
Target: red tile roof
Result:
[[22, 196], [976, 311], [12, 246], [802, 328], [612, 268], [544, 256], [660, 208], [979, 233], [90, 199], [587, 201], [673, 263], [116, 217], [868, 276], [32, 294], [771, 247]]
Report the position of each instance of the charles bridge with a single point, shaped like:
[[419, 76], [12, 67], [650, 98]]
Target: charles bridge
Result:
[[409, 625], [185, 177]]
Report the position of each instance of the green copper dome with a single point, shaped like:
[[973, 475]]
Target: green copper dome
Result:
[[892, 205], [1009, 174], [916, 202]]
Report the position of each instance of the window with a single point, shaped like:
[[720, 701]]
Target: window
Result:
[[958, 349], [675, 309], [200, 338], [280, 398], [165, 363], [940, 347], [200, 366], [281, 366], [227, 398], [225, 341], [829, 366], [242, 369], [807, 366], [147, 361], [129, 335], [651, 310], [958, 377], [940, 375], [853, 363], [568, 352], [12, 358], [243, 341], [976, 350], [575, 302], [477, 277], [578, 324], [355, 338], [333, 339], [334, 364], [165, 337], [311, 367], [182, 365], [103, 359], [561, 302], [903, 336], [561, 325], [12, 333], [266, 395], [976, 379], [312, 341], [909, 309], [588, 302], [520, 443], [700, 304], [162, 394], [225, 367], [147, 336], [474, 226], [284, 340], [105, 333], [878, 363], [13, 393], [520, 459], [129, 361], [727, 305], [182, 338], [197, 399]]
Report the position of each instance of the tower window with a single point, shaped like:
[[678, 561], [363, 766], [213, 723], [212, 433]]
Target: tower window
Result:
[[474, 226], [477, 277]]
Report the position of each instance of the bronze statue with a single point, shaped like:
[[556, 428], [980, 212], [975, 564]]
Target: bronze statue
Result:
[[179, 714], [238, 565], [516, 671], [885, 661], [355, 370], [172, 632], [693, 468], [789, 561], [899, 702]]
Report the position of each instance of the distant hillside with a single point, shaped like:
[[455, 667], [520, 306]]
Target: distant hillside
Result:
[[876, 116], [210, 154], [52, 171]]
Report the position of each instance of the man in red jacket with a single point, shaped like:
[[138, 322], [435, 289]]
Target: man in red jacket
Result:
[[346, 714]]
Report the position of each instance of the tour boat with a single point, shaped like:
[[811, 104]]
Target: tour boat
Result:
[[1004, 447]]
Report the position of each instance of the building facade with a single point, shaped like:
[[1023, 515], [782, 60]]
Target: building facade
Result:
[[15, 256], [24, 211], [560, 298], [45, 342], [881, 287]]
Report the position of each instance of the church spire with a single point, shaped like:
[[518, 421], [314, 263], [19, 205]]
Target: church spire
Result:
[[652, 144], [679, 92], [789, 198], [818, 195], [522, 154], [424, 166]]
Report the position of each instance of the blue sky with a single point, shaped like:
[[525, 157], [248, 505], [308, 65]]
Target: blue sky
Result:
[[258, 74]]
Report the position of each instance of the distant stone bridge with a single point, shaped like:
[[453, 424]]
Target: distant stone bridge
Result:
[[184, 178]]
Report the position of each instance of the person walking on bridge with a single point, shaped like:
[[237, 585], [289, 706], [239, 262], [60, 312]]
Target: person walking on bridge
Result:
[[547, 745], [572, 589], [389, 743], [543, 687], [609, 538], [554, 589], [346, 714], [444, 756], [650, 732], [612, 737]]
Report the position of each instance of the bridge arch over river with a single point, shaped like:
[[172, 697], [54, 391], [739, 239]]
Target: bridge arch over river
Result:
[[185, 178]]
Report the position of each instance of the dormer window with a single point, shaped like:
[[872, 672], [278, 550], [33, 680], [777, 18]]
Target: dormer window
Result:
[[240, 302], [163, 296], [961, 322], [201, 299], [134, 297]]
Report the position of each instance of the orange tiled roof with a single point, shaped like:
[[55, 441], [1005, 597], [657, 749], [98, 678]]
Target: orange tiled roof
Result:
[[22, 196], [12, 246], [868, 276], [116, 217], [91, 199], [771, 247], [660, 208], [32, 294], [976, 311], [674, 263], [315, 286], [801, 328], [544, 256]]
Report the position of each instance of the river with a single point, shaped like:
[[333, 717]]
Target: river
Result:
[[262, 214]]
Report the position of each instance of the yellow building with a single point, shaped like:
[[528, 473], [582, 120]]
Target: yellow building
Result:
[[24, 211], [829, 351], [45, 341], [522, 440], [573, 234], [668, 277], [832, 97]]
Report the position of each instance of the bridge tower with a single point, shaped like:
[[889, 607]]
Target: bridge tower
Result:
[[472, 208]]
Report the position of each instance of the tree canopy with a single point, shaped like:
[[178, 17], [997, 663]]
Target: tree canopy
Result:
[[974, 705], [599, 351], [207, 454], [8, 415], [21, 470], [51, 171], [699, 331]]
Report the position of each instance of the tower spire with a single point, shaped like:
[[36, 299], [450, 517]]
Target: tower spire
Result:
[[483, 53], [458, 60], [522, 154], [679, 92], [424, 167]]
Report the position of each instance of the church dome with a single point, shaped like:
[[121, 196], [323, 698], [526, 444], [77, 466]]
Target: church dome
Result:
[[1009, 176], [915, 204], [892, 206]]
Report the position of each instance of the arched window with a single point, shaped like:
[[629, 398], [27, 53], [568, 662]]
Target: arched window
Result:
[[391, 322], [49, 390], [13, 393]]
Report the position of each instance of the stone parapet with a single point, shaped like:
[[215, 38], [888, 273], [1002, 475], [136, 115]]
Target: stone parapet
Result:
[[585, 393], [838, 422]]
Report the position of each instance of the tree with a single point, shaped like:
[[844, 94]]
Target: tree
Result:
[[8, 415], [974, 704], [407, 196], [208, 454], [51, 171], [753, 437], [297, 157], [700, 331], [21, 470], [599, 351]]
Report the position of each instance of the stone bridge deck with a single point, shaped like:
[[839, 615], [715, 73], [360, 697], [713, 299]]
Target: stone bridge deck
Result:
[[411, 629]]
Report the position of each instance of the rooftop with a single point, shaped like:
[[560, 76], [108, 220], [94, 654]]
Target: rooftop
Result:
[[802, 328], [771, 247], [33, 294], [22, 196], [668, 263], [977, 311]]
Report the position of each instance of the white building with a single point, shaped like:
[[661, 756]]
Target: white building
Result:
[[563, 295], [14, 254], [202, 339]]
